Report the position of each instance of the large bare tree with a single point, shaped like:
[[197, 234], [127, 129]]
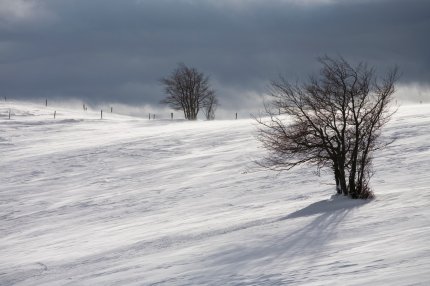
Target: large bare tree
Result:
[[188, 90], [334, 120]]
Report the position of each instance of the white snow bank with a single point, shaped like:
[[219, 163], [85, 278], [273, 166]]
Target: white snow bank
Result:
[[126, 201]]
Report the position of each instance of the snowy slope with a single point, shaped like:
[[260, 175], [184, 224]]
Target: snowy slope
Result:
[[127, 201]]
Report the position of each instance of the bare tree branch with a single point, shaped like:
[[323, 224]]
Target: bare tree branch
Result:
[[188, 90], [333, 120]]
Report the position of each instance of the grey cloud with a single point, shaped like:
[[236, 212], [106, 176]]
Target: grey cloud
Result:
[[118, 50]]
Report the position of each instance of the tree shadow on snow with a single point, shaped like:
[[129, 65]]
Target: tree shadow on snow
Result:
[[306, 244], [335, 205]]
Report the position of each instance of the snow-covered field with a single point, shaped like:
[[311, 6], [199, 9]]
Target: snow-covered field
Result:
[[127, 201]]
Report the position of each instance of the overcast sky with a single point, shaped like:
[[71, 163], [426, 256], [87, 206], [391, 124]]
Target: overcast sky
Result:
[[116, 51]]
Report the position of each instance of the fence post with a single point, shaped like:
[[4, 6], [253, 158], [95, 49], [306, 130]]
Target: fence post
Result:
[[149, 116], [171, 116], [46, 102], [111, 109], [55, 113], [236, 115], [101, 114], [153, 116]]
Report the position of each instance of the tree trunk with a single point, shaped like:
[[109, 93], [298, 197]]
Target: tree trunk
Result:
[[342, 178], [339, 169], [342, 181], [337, 179]]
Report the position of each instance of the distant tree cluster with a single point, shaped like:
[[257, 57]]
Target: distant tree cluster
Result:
[[189, 90], [334, 120]]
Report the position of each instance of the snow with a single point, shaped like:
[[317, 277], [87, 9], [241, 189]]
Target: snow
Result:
[[128, 201]]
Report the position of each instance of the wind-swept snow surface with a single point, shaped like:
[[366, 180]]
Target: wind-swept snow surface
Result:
[[126, 201]]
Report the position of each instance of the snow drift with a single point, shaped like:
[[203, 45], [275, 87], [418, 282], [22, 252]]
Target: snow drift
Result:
[[129, 201]]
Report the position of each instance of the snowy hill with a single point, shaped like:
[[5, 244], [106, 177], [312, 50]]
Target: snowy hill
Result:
[[128, 201]]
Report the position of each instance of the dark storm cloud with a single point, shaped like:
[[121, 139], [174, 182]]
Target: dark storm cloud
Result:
[[108, 50]]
